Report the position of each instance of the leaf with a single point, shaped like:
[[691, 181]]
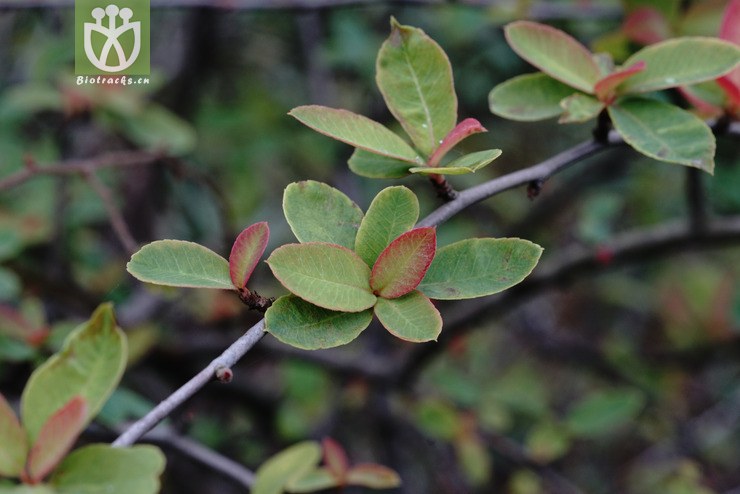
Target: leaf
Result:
[[90, 364], [464, 129], [730, 31], [327, 275], [664, 132], [547, 442], [402, 265], [555, 53], [26, 489], [355, 130], [606, 87], [603, 412], [412, 317], [56, 438], [372, 165], [317, 480], [246, 252], [102, 468], [335, 458], [528, 97], [286, 467], [14, 443], [317, 212], [393, 211], [646, 26], [478, 267], [679, 62], [415, 78], [373, 476], [470, 163], [180, 263], [580, 107], [303, 325]]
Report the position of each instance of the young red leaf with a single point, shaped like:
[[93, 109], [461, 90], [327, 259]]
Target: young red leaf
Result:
[[56, 438], [730, 31], [402, 265], [466, 128], [373, 476], [13, 440], [335, 459], [646, 26], [246, 252], [605, 88], [555, 53]]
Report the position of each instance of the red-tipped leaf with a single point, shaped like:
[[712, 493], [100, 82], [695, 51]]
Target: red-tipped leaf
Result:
[[466, 128], [56, 438], [403, 264], [247, 251], [335, 459], [605, 89], [373, 476], [730, 31], [646, 26]]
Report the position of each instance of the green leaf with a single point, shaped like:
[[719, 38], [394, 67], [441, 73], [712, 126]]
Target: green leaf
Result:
[[681, 61], [155, 127], [373, 476], [603, 412], [335, 457], [402, 265], [372, 165], [102, 468], [90, 364], [180, 263], [415, 78], [327, 275], [27, 489], [547, 442], [555, 53], [56, 438], [528, 97], [664, 132], [246, 252], [317, 212], [470, 163], [412, 317], [303, 325], [13, 438], [317, 480], [286, 467], [355, 130], [580, 107], [478, 267]]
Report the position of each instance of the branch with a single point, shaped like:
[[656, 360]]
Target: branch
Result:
[[227, 359], [114, 214]]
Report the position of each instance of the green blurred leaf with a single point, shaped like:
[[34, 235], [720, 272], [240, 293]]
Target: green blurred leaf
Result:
[[393, 211], [438, 419], [373, 165], [415, 78], [155, 127], [27, 489], [303, 325], [664, 132], [180, 263], [316, 480], [246, 252], [373, 476], [286, 467], [402, 265], [547, 442], [10, 284], [579, 108], [603, 412], [355, 130], [474, 459], [555, 53], [412, 317], [89, 365], [681, 61], [470, 163], [317, 212], [478, 267], [528, 97], [13, 438], [327, 275], [102, 468]]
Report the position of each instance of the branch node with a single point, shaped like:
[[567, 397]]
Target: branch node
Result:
[[445, 191], [255, 301], [534, 188], [603, 126], [224, 374]]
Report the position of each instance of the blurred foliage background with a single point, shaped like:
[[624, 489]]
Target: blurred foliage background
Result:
[[621, 379]]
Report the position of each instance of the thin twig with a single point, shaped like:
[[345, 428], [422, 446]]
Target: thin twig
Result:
[[696, 199], [228, 358], [114, 214]]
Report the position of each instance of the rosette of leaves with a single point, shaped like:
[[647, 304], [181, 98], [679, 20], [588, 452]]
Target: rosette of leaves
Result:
[[59, 400], [414, 76], [349, 267], [188, 264], [297, 469], [578, 86]]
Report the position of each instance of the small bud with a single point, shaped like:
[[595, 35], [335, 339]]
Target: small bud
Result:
[[224, 374]]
